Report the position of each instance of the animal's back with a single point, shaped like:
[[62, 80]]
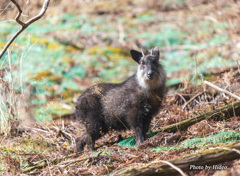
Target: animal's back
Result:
[[109, 103], [91, 100]]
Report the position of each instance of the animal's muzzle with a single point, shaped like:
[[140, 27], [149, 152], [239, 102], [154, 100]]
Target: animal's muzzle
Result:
[[150, 74]]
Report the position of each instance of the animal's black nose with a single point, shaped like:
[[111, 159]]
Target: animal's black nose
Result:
[[150, 74]]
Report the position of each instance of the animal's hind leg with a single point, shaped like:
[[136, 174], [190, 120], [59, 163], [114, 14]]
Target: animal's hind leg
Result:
[[87, 112], [81, 142], [88, 139], [93, 132]]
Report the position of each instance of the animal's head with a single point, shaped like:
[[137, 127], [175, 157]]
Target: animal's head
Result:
[[150, 72]]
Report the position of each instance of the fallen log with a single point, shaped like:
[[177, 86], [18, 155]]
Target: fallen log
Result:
[[64, 161], [208, 159], [225, 112], [44, 163]]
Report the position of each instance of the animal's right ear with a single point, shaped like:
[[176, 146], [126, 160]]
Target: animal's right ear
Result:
[[136, 55]]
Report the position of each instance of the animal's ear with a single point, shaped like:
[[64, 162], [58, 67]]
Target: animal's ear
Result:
[[155, 52], [136, 55]]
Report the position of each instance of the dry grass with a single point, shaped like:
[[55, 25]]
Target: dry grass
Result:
[[14, 105]]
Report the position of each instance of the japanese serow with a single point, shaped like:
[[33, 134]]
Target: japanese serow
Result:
[[127, 105]]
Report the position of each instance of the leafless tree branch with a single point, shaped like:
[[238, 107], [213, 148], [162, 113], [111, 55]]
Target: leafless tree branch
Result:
[[6, 8], [24, 25], [220, 89], [19, 13]]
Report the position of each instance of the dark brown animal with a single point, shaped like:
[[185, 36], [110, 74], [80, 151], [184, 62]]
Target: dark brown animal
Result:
[[127, 105]]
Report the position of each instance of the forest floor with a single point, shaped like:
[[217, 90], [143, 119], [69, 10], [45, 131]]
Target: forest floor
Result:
[[77, 47]]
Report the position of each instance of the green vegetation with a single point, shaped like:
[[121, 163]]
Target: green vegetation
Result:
[[222, 137], [55, 57]]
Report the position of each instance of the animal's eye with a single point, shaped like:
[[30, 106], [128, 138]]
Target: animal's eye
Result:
[[142, 62]]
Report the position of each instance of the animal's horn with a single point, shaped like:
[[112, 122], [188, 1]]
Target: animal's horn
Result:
[[151, 51], [142, 53]]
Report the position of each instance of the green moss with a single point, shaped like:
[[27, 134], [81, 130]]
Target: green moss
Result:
[[42, 75], [222, 137]]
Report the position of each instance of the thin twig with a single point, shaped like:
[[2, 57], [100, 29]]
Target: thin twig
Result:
[[182, 97], [70, 162], [124, 167], [48, 167], [118, 172], [189, 101], [121, 33], [170, 164], [220, 89], [24, 25], [6, 8], [195, 68]]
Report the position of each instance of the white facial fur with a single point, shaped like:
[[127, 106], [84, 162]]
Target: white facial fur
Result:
[[148, 84]]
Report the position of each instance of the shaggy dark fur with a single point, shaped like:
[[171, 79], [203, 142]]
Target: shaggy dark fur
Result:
[[128, 105]]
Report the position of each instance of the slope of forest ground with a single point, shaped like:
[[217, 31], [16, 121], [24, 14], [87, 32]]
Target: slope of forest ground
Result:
[[77, 47]]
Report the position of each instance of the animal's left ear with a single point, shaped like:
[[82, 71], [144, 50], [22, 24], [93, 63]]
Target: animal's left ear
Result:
[[136, 55], [155, 52]]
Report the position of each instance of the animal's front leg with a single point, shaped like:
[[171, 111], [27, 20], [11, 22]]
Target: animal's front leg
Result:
[[136, 119], [139, 135], [146, 124]]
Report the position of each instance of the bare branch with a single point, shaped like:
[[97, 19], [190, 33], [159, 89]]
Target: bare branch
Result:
[[19, 13], [17, 5], [171, 165], [221, 90], [41, 13], [6, 8], [189, 101], [24, 25]]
